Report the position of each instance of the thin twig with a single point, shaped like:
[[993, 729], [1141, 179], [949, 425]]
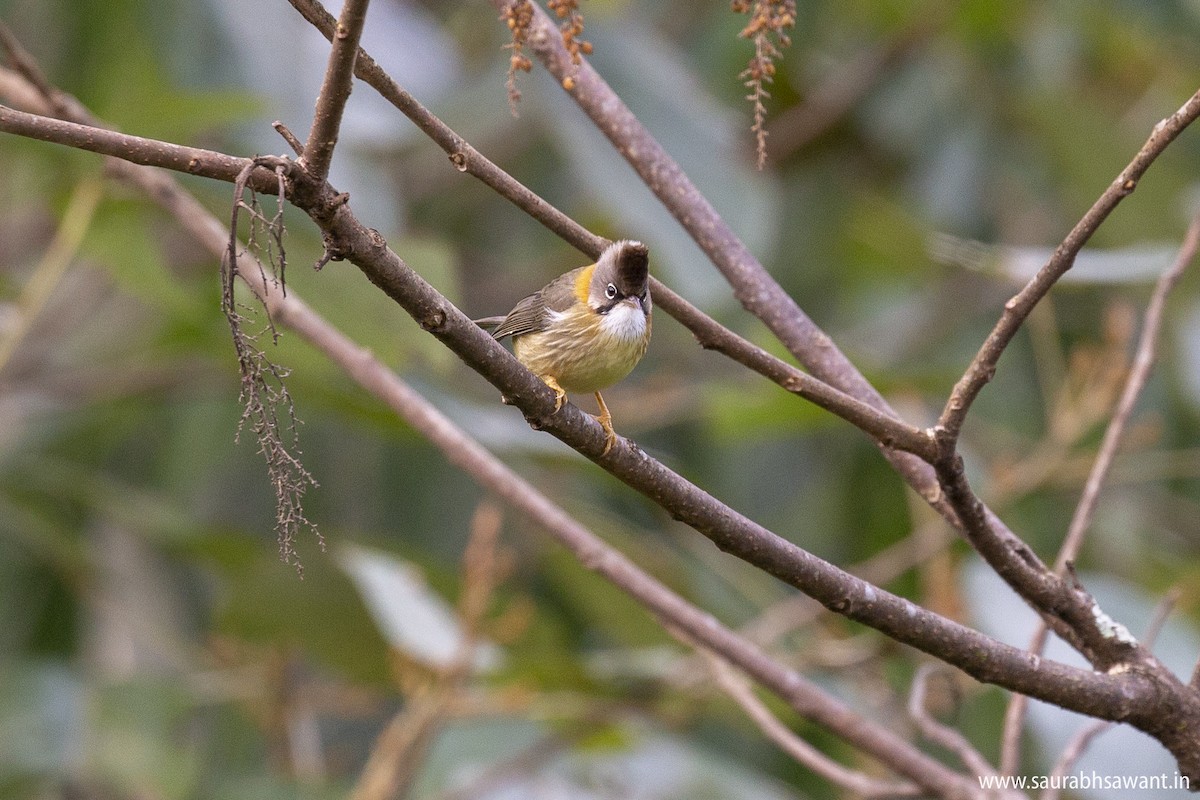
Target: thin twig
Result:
[[887, 430], [335, 89], [804, 753], [24, 63], [1014, 717], [1162, 613], [289, 137], [1075, 748], [135, 149], [983, 366], [76, 222], [940, 734], [1143, 362], [395, 760]]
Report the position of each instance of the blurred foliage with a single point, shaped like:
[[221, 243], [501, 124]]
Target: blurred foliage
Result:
[[152, 643]]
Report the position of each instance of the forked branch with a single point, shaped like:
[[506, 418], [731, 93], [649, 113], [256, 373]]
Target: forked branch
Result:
[[885, 428]]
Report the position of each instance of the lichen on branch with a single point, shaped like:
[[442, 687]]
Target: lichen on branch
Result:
[[267, 409]]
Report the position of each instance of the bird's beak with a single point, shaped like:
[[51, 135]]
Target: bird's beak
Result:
[[636, 302]]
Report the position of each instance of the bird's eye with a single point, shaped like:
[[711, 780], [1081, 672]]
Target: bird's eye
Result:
[[610, 291]]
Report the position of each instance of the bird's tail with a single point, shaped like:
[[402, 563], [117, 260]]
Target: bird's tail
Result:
[[488, 322]]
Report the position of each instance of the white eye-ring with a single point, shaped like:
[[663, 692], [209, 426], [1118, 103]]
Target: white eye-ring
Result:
[[610, 291]]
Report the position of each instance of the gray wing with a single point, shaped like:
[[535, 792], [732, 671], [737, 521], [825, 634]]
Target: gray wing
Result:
[[532, 314], [528, 316]]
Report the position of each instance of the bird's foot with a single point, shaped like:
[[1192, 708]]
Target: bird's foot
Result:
[[560, 394], [605, 420]]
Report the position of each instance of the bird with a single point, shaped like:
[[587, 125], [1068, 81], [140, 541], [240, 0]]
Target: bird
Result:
[[586, 329]]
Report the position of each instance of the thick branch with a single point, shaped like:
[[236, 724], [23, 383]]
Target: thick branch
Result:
[[594, 554], [1068, 609]]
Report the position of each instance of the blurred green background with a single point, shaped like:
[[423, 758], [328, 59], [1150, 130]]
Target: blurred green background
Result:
[[152, 644]]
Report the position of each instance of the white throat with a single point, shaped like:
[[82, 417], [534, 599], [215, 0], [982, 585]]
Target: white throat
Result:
[[624, 321]]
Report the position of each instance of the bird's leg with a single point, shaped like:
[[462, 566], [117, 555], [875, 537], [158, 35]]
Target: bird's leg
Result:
[[605, 420], [560, 394]]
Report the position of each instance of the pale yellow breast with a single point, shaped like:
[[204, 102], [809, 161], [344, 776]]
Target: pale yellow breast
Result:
[[583, 351]]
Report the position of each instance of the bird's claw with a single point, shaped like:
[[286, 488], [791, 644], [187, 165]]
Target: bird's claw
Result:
[[610, 436]]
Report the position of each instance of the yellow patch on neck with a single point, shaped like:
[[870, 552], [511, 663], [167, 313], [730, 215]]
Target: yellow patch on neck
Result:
[[583, 284]]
